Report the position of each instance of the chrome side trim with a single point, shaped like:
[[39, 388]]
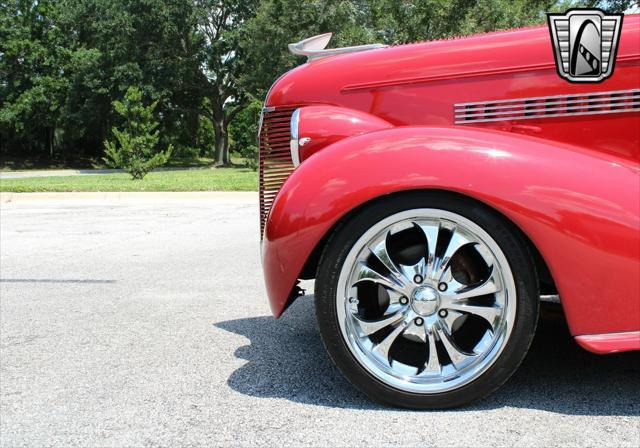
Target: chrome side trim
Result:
[[293, 144], [615, 101]]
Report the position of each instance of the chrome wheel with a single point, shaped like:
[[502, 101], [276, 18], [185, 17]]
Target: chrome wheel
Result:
[[426, 301]]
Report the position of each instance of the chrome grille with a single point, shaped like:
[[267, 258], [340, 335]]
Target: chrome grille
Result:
[[614, 101], [275, 163]]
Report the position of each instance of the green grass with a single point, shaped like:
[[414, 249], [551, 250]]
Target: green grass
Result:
[[15, 163], [207, 179]]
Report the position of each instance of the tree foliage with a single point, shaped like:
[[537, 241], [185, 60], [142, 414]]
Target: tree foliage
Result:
[[64, 62], [243, 132], [135, 148]]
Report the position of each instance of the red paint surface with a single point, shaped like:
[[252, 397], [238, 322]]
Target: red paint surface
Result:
[[572, 184], [325, 125], [610, 343]]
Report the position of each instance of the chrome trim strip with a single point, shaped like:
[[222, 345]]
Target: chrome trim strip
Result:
[[295, 153], [612, 102], [293, 144]]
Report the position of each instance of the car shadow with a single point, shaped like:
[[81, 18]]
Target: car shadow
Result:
[[286, 359]]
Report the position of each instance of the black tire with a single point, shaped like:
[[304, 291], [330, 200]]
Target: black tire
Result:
[[520, 261]]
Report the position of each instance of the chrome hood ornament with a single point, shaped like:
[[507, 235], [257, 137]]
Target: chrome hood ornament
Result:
[[314, 47]]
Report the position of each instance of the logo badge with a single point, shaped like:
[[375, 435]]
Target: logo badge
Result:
[[585, 42]]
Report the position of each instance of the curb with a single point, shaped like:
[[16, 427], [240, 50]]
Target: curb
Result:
[[234, 197]]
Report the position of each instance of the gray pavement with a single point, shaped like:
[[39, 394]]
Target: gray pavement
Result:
[[142, 323]]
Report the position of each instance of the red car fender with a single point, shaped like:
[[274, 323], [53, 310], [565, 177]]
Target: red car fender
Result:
[[580, 209], [320, 126]]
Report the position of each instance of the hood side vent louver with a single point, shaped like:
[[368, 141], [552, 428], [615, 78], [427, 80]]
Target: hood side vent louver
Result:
[[616, 101]]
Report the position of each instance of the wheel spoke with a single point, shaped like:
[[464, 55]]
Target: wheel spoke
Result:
[[365, 273], [486, 255], [448, 321], [415, 332], [457, 242], [464, 292], [382, 254], [431, 233], [382, 349], [394, 297], [458, 356], [433, 363], [410, 271], [488, 313], [369, 327]]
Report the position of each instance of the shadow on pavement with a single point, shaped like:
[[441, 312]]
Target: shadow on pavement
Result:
[[286, 359]]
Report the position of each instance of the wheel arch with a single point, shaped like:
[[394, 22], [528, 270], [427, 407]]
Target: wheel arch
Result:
[[546, 283]]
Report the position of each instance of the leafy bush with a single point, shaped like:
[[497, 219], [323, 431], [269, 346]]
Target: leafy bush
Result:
[[243, 131], [185, 154], [135, 148], [205, 136], [250, 154]]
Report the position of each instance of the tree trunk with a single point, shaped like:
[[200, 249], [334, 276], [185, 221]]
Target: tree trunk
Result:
[[221, 154], [50, 136]]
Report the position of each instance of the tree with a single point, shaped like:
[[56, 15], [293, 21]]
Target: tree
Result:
[[135, 148], [146, 43], [32, 85], [62, 63], [219, 24]]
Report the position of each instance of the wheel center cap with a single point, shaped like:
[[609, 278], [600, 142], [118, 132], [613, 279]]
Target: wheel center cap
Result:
[[425, 300]]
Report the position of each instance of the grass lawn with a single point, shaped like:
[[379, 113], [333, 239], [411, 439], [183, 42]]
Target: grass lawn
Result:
[[207, 179], [15, 163]]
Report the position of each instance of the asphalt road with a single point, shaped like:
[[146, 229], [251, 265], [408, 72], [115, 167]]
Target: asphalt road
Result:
[[130, 324]]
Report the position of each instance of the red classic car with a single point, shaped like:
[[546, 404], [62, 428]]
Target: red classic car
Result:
[[435, 191]]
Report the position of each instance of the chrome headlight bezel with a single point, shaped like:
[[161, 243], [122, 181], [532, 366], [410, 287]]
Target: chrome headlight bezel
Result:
[[295, 136]]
